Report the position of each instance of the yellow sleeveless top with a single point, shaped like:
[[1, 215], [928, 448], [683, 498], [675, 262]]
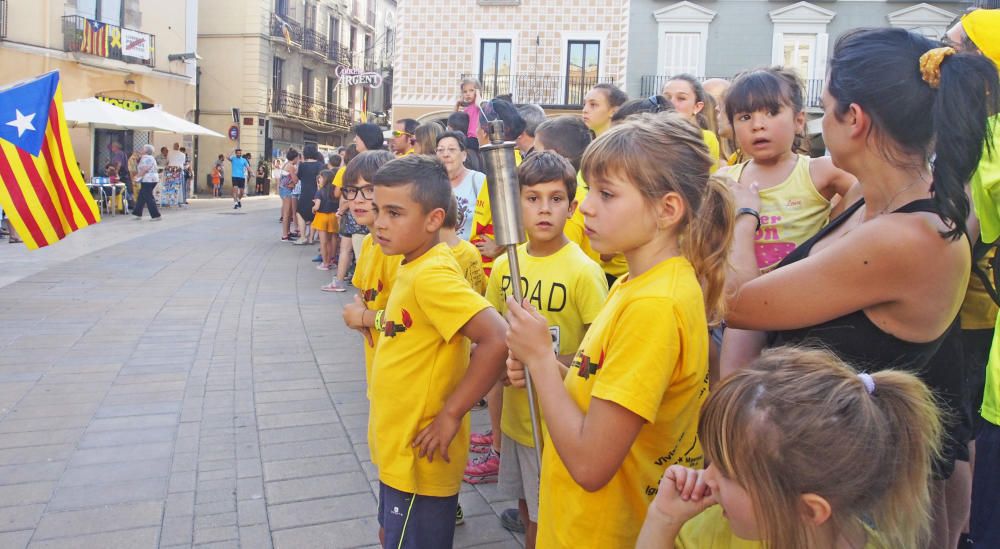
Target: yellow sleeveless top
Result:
[[790, 213], [978, 310]]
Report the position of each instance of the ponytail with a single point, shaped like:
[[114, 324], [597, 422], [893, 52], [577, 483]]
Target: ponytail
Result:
[[707, 242], [966, 98], [880, 70], [914, 427]]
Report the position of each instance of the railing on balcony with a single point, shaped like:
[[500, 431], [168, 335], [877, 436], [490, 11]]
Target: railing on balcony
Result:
[[339, 54], [289, 29], [314, 41], [105, 40], [813, 91], [547, 91], [299, 106]]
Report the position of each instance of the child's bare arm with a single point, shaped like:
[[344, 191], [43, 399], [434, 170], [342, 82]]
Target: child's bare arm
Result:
[[739, 349], [487, 332]]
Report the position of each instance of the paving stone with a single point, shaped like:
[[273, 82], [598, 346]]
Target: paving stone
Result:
[[348, 533], [314, 487], [305, 449], [255, 537], [90, 521], [22, 517], [126, 539], [309, 467], [15, 540], [94, 495], [177, 531], [29, 492], [104, 473], [317, 511]]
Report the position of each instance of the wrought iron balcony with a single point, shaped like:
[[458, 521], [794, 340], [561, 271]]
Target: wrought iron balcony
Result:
[[302, 107], [91, 37], [314, 41], [652, 84], [554, 92], [339, 54], [289, 29]]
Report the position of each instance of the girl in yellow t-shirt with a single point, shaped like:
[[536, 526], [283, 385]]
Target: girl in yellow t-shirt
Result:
[[765, 109], [805, 452], [627, 406], [689, 98]]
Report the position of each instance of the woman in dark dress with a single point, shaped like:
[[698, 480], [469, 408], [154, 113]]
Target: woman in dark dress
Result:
[[312, 164]]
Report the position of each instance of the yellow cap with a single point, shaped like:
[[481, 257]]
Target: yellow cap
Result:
[[983, 28]]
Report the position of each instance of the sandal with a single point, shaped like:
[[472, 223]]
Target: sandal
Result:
[[13, 240]]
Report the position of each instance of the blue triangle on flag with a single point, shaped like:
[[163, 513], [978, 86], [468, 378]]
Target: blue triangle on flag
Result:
[[24, 112]]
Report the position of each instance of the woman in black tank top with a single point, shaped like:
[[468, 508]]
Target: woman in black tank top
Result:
[[882, 284]]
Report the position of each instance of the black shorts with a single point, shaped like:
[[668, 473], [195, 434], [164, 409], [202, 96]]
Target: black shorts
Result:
[[239, 182]]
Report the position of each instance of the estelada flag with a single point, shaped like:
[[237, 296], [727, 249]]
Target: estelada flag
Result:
[[41, 188], [95, 38]]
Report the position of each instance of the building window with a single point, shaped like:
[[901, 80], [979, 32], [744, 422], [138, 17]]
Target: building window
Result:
[[799, 53], [307, 83], [105, 11], [583, 62], [281, 7], [331, 91], [352, 44], [681, 53], [333, 30], [277, 83], [494, 66], [369, 52], [309, 18]]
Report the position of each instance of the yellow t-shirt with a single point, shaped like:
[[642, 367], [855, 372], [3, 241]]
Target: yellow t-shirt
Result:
[[374, 275], [978, 311], [482, 219], [646, 351], [568, 289], [710, 530], [471, 264], [420, 359], [713, 147], [573, 230], [338, 178], [985, 185], [791, 212]]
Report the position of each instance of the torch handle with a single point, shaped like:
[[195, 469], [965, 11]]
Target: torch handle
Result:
[[536, 429]]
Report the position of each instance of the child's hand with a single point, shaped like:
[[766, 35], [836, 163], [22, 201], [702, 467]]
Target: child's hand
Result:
[[683, 494], [528, 336], [746, 195], [488, 247], [515, 373], [354, 316], [437, 436]]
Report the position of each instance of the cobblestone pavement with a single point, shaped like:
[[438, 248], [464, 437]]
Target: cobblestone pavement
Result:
[[186, 384]]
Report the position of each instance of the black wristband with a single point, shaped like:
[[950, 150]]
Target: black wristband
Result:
[[750, 211]]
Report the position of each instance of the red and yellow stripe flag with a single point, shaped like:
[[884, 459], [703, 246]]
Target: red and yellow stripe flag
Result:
[[41, 189]]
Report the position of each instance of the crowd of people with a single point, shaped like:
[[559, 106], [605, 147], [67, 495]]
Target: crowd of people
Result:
[[732, 344]]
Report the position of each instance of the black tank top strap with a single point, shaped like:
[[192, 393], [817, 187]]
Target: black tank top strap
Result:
[[802, 251], [922, 205]]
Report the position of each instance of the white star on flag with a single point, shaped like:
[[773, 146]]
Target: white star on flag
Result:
[[22, 123]]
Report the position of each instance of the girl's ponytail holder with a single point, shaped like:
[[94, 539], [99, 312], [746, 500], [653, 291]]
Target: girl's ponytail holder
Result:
[[868, 382], [930, 64]]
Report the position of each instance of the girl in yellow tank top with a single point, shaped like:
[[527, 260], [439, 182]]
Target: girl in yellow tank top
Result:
[[765, 109]]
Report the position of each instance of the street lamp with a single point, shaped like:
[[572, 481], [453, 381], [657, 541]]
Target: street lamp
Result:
[[184, 56]]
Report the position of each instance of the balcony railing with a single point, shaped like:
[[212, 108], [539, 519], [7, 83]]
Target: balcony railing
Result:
[[339, 54], [106, 40], [813, 90], [548, 91], [283, 27], [298, 106], [314, 41]]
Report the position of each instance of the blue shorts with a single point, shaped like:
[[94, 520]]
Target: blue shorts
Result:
[[985, 519], [415, 522], [284, 192]]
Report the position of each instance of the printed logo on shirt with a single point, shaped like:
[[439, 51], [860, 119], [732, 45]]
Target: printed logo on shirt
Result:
[[586, 366], [551, 299], [793, 203], [393, 328], [370, 294]]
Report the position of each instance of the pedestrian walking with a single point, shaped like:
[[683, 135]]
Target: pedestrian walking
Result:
[[147, 173]]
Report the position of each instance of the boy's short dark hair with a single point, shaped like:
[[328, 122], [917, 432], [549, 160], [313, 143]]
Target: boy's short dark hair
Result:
[[544, 167], [431, 188], [409, 125], [365, 165], [459, 121], [566, 135], [513, 124]]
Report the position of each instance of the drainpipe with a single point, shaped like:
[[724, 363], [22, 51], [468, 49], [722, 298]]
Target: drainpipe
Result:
[[197, 120]]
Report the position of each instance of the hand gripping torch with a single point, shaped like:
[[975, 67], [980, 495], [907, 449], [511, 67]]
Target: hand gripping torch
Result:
[[505, 203]]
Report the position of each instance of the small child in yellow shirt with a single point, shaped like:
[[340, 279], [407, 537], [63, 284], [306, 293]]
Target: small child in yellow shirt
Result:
[[466, 255], [424, 378], [777, 480], [566, 287], [627, 407]]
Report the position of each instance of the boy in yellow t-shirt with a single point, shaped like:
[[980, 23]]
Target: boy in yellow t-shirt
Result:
[[424, 380], [565, 286]]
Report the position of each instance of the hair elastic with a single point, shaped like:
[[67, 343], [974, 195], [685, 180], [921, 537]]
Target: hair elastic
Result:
[[930, 64], [868, 382]]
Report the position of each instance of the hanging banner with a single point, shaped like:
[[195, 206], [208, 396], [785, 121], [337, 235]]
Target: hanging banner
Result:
[[135, 44]]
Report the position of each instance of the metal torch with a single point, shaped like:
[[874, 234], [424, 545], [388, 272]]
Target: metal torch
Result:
[[508, 229]]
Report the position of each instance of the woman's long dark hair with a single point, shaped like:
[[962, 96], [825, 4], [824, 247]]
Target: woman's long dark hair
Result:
[[878, 69]]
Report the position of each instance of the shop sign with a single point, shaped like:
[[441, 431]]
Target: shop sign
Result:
[[127, 104], [356, 77]]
